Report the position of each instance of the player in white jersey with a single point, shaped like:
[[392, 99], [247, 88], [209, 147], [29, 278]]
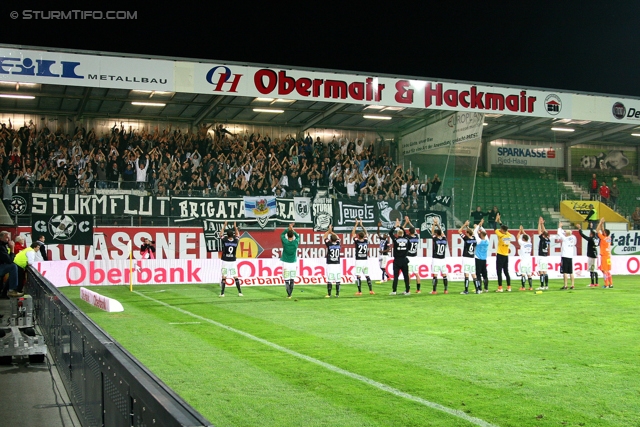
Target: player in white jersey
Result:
[[526, 262], [568, 250]]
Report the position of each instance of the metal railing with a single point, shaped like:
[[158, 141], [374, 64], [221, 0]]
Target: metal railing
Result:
[[106, 384]]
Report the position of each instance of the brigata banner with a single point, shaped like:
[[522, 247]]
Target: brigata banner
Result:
[[265, 272], [181, 210]]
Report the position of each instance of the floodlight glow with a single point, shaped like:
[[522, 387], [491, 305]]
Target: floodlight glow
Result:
[[149, 104], [563, 129], [377, 117], [268, 110], [17, 96]]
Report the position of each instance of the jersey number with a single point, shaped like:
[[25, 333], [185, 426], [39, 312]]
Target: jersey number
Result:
[[470, 251], [334, 253], [440, 249], [362, 250], [414, 247]]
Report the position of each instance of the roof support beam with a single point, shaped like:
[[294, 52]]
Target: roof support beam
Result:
[[83, 103], [430, 118], [602, 134], [323, 115], [206, 110], [516, 128]]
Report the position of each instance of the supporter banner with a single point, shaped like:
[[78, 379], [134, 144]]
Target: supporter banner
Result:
[[442, 200], [322, 213], [623, 158], [112, 204], [211, 230], [193, 209], [265, 272], [180, 209], [346, 212], [259, 207], [64, 229], [426, 220], [510, 153], [452, 130], [302, 210], [19, 204]]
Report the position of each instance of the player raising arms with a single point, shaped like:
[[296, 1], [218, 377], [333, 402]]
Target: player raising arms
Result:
[[605, 253], [290, 241], [333, 260], [361, 242], [482, 250], [414, 244], [229, 248], [468, 257], [543, 253], [438, 264], [526, 262], [384, 252], [592, 254]]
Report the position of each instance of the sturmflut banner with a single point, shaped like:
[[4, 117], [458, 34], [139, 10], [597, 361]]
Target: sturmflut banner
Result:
[[181, 210]]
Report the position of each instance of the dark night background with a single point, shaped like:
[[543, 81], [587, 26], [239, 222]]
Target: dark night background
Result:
[[581, 46]]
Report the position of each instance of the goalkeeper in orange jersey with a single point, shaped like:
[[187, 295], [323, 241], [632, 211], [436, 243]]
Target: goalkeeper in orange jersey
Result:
[[605, 253]]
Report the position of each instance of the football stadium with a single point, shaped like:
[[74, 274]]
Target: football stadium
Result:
[[191, 242]]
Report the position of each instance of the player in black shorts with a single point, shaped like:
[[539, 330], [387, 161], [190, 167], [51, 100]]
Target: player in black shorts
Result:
[[383, 253], [438, 265], [333, 260], [400, 260], [229, 248], [361, 242], [468, 257], [543, 253], [414, 244]]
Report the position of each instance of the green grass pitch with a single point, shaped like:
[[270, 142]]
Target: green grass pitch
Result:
[[560, 358]]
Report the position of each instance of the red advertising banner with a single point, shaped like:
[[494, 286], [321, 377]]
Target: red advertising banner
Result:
[[189, 243]]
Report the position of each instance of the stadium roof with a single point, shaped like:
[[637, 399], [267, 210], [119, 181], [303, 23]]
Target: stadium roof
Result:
[[95, 99]]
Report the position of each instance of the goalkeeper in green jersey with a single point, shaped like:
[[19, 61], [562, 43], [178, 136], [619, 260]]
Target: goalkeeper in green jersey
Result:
[[289, 258]]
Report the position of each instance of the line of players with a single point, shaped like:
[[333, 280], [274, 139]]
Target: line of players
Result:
[[404, 240]]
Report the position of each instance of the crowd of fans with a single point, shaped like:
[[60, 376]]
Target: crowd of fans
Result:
[[209, 162]]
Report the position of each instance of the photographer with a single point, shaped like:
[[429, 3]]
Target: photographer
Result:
[[148, 249]]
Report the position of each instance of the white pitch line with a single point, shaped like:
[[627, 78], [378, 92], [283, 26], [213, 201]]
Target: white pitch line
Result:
[[185, 323], [369, 381]]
